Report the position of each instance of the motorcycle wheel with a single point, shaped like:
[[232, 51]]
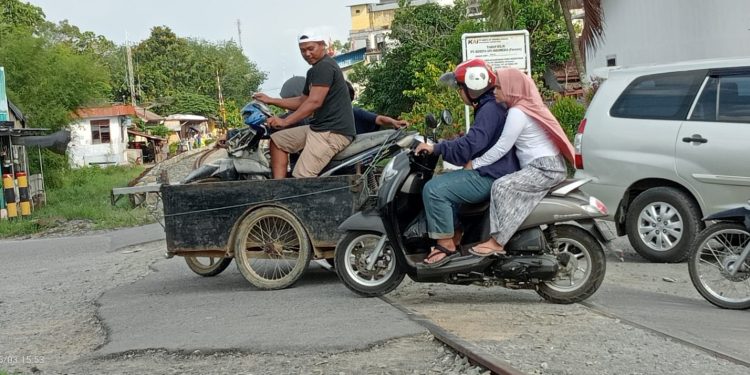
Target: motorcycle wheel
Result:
[[585, 271], [716, 249], [350, 260], [207, 266], [271, 248]]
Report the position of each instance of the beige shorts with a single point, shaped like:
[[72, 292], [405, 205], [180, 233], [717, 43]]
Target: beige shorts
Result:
[[318, 148]]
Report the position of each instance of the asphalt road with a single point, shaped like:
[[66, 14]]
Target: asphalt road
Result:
[[178, 310], [172, 308]]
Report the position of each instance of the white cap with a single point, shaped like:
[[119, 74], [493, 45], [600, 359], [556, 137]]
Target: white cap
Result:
[[310, 38]]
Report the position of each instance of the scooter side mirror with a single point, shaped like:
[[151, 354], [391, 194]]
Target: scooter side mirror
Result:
[[430, 121], [447, 117]]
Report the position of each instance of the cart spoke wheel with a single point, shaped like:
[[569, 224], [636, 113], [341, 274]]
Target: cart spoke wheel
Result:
[[207, 266], [272, 248]]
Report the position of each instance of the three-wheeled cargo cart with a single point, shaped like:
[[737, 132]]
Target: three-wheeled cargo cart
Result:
[[272, 228]]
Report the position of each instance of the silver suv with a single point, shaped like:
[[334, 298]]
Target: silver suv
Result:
[[666, 145]]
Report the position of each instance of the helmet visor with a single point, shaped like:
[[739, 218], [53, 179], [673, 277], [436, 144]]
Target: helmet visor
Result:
[[449, 79]]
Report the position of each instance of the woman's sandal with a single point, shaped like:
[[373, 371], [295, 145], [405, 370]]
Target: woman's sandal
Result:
[[490, 253], [440, 250]]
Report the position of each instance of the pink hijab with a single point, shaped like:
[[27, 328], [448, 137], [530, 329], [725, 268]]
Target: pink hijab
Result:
[[521, 92]]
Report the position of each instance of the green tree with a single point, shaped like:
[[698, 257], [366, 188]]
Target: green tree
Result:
[[542, 18], [15, 15], [161, 64], [341, 47], [530, 14], [190, 103], [426, 36], [182, 75], [50, 81]]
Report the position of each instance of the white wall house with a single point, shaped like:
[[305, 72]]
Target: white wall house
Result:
[[638, 32], [99, 136]]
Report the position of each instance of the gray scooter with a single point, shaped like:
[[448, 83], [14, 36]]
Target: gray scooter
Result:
[[557, 251]]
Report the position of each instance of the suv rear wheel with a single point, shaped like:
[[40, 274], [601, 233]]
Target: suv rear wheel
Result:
[[661, 223]]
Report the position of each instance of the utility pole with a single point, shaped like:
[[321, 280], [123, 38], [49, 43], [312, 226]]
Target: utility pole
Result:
[[239, 34], [222, 109], [131, 79]]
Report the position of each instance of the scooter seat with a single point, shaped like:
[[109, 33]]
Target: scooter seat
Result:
[[364, 142]]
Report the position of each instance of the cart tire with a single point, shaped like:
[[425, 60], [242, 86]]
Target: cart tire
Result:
[[214, 267], [272, 248]]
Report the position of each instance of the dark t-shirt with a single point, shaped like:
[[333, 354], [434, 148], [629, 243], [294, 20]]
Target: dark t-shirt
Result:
[[364, 121], [335, 114]]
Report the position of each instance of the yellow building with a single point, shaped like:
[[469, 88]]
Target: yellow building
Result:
[[371, 24]]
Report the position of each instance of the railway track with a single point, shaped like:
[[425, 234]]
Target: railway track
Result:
[[717, 353], [473, 353], [478, 356], [200, 160]]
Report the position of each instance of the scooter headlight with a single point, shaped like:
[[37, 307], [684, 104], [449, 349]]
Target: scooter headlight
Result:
[[406, 141], [388, 172]]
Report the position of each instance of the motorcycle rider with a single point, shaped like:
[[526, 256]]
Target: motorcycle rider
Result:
[[541, 146], [368, 122], [325, 97], [442, 195]]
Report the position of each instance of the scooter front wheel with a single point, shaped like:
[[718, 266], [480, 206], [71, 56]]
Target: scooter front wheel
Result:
[[351, 263]]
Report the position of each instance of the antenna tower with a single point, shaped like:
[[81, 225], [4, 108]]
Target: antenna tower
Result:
[[239, 34]]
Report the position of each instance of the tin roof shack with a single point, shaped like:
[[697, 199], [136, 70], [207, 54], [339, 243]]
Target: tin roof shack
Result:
[[184, 127], [99, 134], [145, 148]]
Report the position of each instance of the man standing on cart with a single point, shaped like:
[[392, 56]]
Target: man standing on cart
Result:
[[326, 99]]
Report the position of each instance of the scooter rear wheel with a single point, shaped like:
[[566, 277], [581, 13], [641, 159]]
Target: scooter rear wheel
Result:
[[586, 267], [350, 261]]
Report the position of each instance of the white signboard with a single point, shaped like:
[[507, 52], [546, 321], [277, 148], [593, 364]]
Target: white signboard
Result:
[[500, 49]]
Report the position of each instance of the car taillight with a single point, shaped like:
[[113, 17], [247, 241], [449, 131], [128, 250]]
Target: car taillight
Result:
[[577, 144]]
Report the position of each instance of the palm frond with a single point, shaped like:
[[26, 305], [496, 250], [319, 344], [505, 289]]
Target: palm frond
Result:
[[593, 25]]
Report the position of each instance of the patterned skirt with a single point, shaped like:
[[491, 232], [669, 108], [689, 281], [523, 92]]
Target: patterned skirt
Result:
[[514, 196]]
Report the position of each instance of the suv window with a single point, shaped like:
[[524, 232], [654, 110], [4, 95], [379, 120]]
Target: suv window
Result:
[[725, 98], [660, 96]]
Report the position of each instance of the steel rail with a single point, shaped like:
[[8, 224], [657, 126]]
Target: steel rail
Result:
[[474, 353], [202, 157], [612, 315]]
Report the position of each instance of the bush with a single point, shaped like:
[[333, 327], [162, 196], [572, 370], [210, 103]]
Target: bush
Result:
[[55, 166], [159, 131], [569, 113]]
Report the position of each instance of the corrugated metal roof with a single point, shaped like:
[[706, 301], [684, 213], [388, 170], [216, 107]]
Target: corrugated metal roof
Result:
[[118, 110], [17, 113], [108, 111], [181, 117], [144, 135]]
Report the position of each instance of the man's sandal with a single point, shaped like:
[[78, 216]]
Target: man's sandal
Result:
[[440, 250]]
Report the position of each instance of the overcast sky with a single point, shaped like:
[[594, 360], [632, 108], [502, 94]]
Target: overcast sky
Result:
[[269, 28]]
